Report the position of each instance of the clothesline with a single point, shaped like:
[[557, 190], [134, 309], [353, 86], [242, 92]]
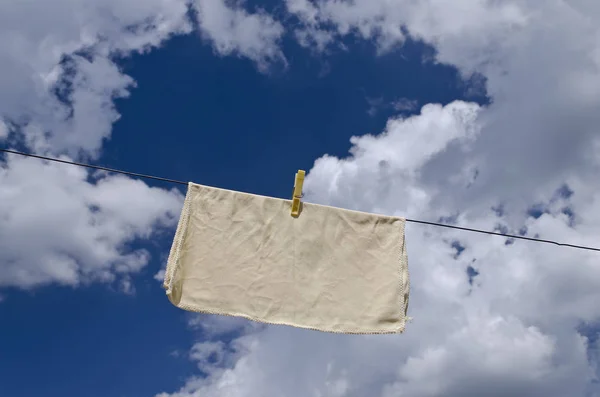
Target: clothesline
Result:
[[407, 220]]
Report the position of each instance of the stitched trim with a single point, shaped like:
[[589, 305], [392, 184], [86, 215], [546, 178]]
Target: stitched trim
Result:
[[260, 320], [173, 261], [405, 275]]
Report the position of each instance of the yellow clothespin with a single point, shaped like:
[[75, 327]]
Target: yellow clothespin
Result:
[[297, 195]]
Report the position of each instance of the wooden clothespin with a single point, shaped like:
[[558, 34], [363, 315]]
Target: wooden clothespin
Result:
[[297, 195]]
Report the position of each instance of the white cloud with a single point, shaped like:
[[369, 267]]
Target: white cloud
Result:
[[514, 331], [400, 105], [309, 35], [58, 227], [126, 285], [35, 37], [405, 105], [211, 356], [57, 87], [384, 172], [160, 275], [91, 89], [434, 20], [541, 93], [234, 31]]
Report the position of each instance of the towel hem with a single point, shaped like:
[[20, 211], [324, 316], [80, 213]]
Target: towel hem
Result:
[[400, 329], [173, 261]]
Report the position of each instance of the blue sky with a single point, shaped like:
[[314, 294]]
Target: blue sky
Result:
[[214, 121], [462, 103]]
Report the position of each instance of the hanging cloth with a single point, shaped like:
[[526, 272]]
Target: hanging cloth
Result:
[[328, 269]]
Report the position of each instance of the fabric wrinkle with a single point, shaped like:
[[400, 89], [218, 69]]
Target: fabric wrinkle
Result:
[[330, 269]]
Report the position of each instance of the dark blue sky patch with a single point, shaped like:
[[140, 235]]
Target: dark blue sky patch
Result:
[[570, 215], [458, 247], [590, 330], [60, 337], [565, 191], [500, 228], [449, 219], [474, 176], [471, 274], [537, 210], [498, 210]]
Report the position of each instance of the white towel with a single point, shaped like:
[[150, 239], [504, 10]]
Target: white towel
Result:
[[329, 269]]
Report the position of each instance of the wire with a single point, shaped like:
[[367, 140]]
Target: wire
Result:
[[408, 220], [97, 167], [539, 240]]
